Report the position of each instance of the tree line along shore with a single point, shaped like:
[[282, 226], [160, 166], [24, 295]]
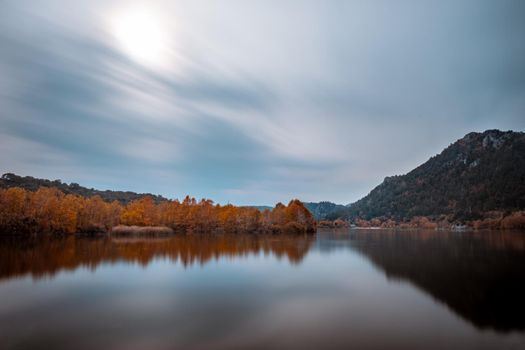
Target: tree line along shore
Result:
[[49, 210], [493, 220]]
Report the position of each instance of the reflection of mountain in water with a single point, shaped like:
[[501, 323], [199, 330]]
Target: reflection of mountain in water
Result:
[[479, 276], [46, 257]]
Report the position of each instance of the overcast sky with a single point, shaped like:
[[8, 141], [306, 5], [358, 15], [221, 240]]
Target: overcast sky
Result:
[[251, 102]]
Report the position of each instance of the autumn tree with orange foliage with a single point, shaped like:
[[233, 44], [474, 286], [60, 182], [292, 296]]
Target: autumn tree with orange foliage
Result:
[[141, 212]]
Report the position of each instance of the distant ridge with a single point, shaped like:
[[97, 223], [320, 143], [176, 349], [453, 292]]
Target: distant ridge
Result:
[[478, 174], [32, 184], [322, 210]]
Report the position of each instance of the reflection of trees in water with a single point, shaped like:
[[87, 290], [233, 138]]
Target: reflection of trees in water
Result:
[[46, 257], [478, 275]]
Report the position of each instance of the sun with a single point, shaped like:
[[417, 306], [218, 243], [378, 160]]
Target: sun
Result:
[[142, 35]]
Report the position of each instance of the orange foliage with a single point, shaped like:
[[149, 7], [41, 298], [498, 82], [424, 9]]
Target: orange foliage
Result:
[[49, 210], [141, 212]]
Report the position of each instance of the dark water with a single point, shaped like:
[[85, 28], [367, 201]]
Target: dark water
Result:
[[337, 290]]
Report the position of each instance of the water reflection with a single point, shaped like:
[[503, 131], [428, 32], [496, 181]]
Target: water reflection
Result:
[[44, 257], [442, 290], [478, 275]]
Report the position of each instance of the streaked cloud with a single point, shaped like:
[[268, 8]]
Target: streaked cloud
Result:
[[252, 102]]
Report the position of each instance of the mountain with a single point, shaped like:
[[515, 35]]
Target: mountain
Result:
[[322, 210], [478, 174], [32, 184]]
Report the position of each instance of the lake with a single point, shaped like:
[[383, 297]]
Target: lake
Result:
[[362, 289]]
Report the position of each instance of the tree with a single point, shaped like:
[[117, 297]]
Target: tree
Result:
[[141, 212]]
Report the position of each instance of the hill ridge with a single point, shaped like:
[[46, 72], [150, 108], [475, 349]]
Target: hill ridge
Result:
[[32, 184]]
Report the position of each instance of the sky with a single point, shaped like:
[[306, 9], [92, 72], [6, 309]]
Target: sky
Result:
[[251, 102]]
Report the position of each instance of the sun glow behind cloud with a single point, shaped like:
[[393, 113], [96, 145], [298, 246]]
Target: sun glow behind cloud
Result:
[[142, 33]]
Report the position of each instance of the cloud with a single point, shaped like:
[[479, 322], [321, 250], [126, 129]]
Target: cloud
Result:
[[312, 99]]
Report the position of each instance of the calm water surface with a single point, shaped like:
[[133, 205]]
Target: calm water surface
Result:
[[358, 289]]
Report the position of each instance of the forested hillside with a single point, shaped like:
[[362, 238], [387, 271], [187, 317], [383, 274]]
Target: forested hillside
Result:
[[476, 175], [32, 184]]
